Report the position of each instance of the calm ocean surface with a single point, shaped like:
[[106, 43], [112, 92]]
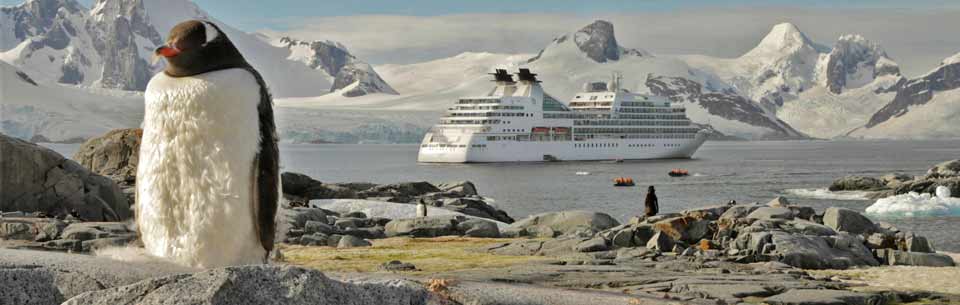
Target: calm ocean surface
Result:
[[722, 171]]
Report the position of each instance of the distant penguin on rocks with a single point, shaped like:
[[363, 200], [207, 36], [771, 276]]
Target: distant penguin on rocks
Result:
[[207, 180], [421, 209]]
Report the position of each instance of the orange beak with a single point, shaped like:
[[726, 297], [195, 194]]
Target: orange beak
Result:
[[167, 52]]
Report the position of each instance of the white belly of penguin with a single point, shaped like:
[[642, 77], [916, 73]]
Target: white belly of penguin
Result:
[[195, 174]]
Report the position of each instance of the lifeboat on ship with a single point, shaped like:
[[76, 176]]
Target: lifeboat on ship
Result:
[[623, 181], [678, 172]]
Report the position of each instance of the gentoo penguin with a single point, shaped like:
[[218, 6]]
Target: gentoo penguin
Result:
[[421, 209], [207, 179]]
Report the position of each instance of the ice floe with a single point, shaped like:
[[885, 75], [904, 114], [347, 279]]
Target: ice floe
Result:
[[917, 205]]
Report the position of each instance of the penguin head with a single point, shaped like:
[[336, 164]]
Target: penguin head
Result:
[[195, 47]]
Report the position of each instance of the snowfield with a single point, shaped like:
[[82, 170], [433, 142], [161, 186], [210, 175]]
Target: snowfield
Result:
[[937, 119], [52, 112]]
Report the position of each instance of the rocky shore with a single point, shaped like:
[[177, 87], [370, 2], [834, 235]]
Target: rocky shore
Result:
[[57, 212], [945, 174]]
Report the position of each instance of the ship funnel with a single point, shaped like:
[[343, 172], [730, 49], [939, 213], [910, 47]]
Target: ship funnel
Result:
[[501, 75], [526, 76]]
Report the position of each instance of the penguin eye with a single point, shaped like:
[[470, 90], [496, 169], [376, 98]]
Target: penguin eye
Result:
[[210, 32]]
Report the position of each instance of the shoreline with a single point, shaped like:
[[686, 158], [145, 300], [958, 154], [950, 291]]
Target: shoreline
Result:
[[364, 234]]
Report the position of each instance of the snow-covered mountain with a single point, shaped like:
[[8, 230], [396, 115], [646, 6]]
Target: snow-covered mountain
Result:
[[784, 88], [821, 91], [352, 76], [111, 46], [854, 62], [924, 107], [587, 54], [777, 69], [597, 41]]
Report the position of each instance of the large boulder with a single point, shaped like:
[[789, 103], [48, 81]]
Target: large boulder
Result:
[[684, 228], [30, 228], [257, 284], [430, 226], [564, 222], [737, 212], [114, 154], [857, 183], [403, 189], [847, 220], [708, 213], [40, 277], [629, 235], [478, 228], [305, 187], [894, 180], [660, 241], [348, 241], [459, 188], [805, 227], [297, 184], [36, 179], [771, 213], [818, 252], [476, 207], [896, 257]]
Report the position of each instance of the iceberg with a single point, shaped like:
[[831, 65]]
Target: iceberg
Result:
[[917, 205]]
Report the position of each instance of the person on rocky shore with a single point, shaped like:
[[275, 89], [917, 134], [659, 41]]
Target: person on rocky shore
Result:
[[652, 206]]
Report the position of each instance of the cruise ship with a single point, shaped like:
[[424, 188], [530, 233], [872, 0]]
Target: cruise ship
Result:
[[518, 122]]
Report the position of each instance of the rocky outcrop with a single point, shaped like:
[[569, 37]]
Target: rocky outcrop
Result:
[[68, 235], [848, 220], [114, 154], [459, 196], [854, 62], [778, 231], [37, 179], [725, 104], [597, 41], [553, 224], [904, 258], [857, 183], [42, 278], [120, 29], [434, 226], [945, 174], [948, 169], [257, 284], [103, 47], [919, 91]]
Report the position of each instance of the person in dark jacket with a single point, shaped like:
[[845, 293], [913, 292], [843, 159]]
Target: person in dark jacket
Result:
[[651, 203]]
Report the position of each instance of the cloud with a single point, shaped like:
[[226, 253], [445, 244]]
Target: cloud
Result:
[[917, 39]]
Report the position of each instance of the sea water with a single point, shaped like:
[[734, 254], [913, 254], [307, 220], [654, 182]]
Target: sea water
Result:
[[724, 171]]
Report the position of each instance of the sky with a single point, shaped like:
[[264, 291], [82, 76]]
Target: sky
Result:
[[917, 33]]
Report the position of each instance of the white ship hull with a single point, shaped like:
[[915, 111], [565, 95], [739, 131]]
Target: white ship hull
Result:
[[531, 151]]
